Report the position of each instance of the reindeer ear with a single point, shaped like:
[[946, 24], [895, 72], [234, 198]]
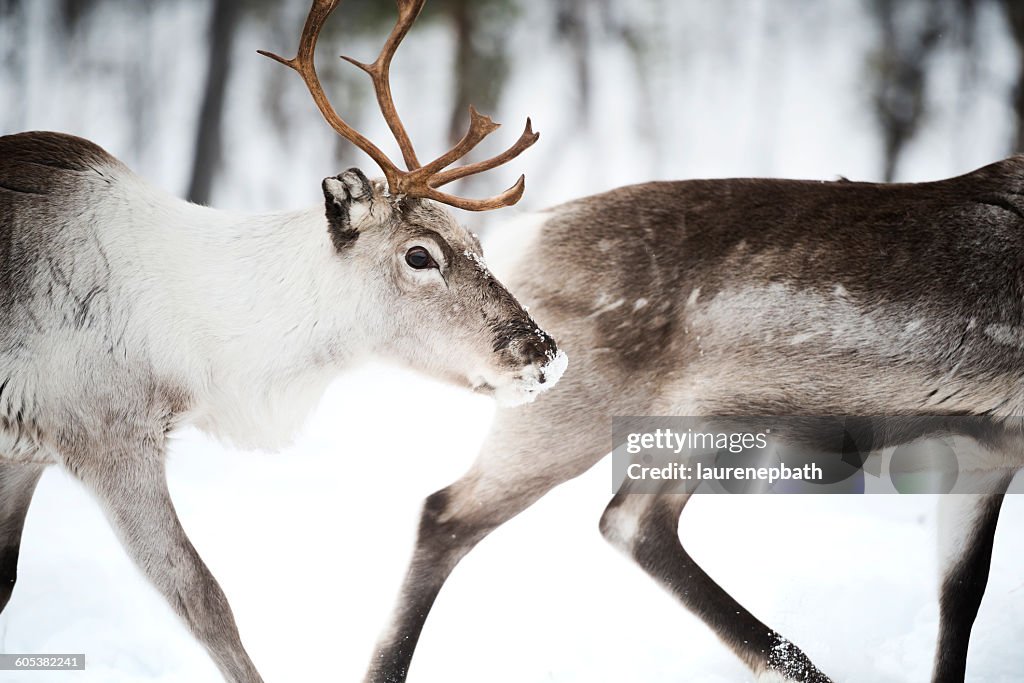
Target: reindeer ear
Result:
[[346, 199]]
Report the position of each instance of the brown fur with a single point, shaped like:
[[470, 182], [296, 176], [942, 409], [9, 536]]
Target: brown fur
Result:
[[746, 296]]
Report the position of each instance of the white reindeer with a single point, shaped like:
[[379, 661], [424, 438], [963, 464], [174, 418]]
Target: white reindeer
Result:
[[750, 297], [125, 313]]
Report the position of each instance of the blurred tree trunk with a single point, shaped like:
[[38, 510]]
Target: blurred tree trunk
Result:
[[14, 115], [207, 157], [572, 27], [900, 67], [72, 12], [462, 20], [1015, 14], [481, 59], [12, 61]]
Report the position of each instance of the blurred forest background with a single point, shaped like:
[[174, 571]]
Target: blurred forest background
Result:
[[621, 92]]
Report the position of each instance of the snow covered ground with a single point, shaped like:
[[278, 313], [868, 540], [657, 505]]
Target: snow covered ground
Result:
[[310, 546]]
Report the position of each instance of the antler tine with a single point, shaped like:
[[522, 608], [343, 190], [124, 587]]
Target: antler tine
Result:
[[524, 142], [480, 126], [431, 176], [424, 180], [303, 64], [506, 198], [380, 73]]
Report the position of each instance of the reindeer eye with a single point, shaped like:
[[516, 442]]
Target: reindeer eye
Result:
[[419, 258]]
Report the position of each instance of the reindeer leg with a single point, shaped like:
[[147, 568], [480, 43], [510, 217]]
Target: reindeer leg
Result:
[[132, 488], [967, 528], [17, 484], [645, 526], [530, 450]]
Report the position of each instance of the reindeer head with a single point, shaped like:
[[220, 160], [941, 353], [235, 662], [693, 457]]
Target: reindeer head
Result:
[[431, 301], [435, 305]]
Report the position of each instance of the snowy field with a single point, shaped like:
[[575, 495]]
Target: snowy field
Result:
[[310, 546]]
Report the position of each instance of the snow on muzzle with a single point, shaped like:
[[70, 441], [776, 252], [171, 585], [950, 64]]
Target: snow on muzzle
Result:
[[535, 361]]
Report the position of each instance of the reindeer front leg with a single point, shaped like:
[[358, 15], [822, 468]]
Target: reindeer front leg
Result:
[[530, 450], [131, 485]]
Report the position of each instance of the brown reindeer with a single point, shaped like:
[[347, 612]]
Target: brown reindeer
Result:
[[755, 297]]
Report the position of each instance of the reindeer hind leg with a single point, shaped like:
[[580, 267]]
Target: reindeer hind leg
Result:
[[967, 528], [645, 526]]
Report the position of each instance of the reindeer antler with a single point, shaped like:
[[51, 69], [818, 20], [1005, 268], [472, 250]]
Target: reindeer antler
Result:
[[419, 180]]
